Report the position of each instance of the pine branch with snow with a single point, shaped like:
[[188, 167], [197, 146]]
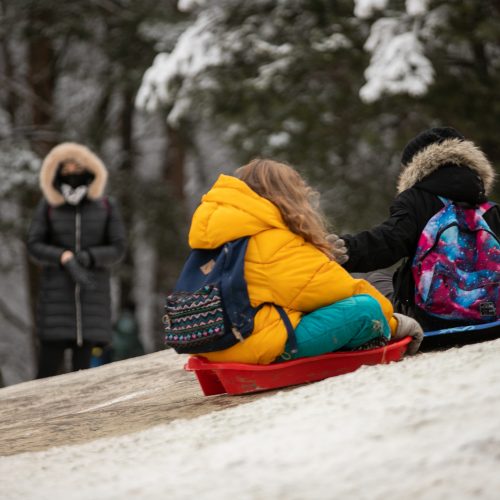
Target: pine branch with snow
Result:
[[398, 62]]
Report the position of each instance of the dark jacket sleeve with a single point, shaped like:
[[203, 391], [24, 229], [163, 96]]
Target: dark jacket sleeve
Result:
[[492, 217], [39, 248], [392, 240], [114, 248]]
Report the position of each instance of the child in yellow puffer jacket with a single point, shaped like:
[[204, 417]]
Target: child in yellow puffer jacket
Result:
[[289, 262]]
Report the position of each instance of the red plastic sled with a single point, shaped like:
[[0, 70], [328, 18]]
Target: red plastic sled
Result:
[[240, 378]]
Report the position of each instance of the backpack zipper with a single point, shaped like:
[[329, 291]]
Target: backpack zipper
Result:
[[79, 336], [442, 230], [237, 334]]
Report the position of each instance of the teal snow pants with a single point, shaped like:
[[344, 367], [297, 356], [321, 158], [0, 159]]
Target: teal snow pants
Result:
[[345, 325]]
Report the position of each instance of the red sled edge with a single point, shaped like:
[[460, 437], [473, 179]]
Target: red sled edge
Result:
[[241, 378]]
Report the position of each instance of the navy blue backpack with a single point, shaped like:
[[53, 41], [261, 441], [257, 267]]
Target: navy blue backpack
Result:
[[209, 309]]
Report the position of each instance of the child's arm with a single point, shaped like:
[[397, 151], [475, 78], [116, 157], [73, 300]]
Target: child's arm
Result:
[[385, 244]]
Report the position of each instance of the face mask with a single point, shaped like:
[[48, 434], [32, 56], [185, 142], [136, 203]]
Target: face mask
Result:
[[73, 196], [75, 180]]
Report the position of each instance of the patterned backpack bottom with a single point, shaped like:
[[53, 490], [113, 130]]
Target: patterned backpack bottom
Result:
[[193, 319]]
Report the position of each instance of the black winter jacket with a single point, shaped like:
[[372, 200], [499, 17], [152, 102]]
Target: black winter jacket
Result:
[[397, 237], [67, 311]]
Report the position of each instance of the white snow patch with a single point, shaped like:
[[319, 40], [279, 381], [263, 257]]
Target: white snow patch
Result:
[[279, 139], [417, 7], [398, 64], [126, 397], [333, 42], [426, 427], [19, 168], [190, 5], [366, 8]]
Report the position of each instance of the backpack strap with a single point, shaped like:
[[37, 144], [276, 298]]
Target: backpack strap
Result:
[[233, 286], [481, 209], [107, 204], [237, 290], [484, 207], [445, 201], [292, 339]]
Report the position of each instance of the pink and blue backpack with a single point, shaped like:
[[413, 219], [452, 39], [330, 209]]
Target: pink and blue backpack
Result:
[[456, 268]]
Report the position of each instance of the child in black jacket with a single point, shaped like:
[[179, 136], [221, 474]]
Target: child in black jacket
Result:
[[437, 162]]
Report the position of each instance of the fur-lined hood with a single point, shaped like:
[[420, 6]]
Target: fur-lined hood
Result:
[[83, 156], [454, 151]]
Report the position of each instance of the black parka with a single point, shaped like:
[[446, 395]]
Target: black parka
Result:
[[65, 310], [467, 179]]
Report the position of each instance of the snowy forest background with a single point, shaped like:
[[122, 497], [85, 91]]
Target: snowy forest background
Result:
[[171, 93]]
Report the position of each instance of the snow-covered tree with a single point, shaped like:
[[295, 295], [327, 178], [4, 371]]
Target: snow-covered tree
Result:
[[398, 64], [336, 88], [276, 79], [19, 168], [444, 55]]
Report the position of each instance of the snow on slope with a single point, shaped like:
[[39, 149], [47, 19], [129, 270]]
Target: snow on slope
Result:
[[427, 427]]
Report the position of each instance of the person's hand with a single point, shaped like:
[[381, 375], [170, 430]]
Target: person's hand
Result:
[[84, 258], [66, 256], [409, 327], [79, 274], [338, 248]]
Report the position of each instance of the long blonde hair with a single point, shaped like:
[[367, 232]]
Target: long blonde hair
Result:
[[283, 186]]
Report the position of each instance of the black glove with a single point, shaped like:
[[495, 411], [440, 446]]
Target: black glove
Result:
[[79, 274], [84, 258]]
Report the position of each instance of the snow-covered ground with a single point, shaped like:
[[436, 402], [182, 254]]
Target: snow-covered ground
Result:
[[425, 428]]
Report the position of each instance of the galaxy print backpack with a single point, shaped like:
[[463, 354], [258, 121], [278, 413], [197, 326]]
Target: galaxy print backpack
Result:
[[457, 265]]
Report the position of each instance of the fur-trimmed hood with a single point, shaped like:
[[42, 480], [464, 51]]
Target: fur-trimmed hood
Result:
[[83, 156], [450, 151]]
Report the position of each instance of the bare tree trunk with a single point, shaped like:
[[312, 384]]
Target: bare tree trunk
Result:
[[12, 101], [127, 194], [174, 163], [174, 179], [96, 129], [41, 80]]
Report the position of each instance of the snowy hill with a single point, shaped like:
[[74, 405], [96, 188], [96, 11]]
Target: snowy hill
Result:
[[427, 427]]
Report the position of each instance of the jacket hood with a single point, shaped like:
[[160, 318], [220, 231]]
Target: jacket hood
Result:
[[231, 210], [449, 152], [455, 183], [83, 156]]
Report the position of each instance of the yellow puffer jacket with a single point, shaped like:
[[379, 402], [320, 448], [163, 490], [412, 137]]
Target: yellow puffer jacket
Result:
[[280, 267]]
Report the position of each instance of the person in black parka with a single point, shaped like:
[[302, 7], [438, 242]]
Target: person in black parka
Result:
[[76, 235], [437, 162]]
